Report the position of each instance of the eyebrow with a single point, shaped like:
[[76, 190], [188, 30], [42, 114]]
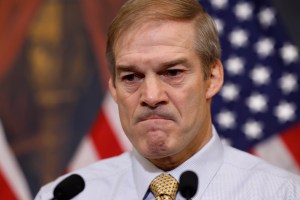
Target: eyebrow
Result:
[[125, 67], [166, 64], [175, 62]]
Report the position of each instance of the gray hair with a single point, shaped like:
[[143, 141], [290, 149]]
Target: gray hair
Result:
[[136, 12]]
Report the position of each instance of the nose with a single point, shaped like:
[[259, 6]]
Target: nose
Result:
[[153, 92]]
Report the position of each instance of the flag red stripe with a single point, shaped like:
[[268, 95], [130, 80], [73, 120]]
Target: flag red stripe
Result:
[[92, 11], [291, 140], [104, 139], [252, 151], [5, 189], [5, 9], [12, 38]]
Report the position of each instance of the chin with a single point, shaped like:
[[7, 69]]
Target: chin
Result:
[[156, 152], [156, 145]]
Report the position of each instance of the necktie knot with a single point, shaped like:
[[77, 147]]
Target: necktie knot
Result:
[[164, 187]]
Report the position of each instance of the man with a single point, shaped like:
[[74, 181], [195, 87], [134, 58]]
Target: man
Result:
[[164, 57]]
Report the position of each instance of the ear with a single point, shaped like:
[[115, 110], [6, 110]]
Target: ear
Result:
[[216, 79], [112, 89]]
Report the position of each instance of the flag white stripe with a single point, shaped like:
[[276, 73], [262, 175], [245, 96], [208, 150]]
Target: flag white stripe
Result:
[[11, 170], [274, 151], [86, 154]]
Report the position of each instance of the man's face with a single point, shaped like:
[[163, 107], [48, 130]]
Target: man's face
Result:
[[163, 99]]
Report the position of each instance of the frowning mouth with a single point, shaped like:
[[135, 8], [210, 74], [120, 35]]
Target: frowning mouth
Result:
[[154, 116]]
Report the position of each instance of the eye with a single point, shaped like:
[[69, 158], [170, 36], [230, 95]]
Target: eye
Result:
[[130, 77], [174, 76], [173, 72]]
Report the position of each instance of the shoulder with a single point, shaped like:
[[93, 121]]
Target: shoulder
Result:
[[107, 167], [96, 173], [254, 168], [248, 162]]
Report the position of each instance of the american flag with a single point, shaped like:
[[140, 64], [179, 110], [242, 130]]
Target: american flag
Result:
[[258, 109]]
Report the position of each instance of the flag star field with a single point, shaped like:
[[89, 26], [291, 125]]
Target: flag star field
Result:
[[261, 96]]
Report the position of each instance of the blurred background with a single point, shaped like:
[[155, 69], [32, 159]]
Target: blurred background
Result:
[[56, 115]]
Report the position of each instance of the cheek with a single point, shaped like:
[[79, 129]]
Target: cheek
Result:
[[192, 107], [126, 104], [124, 113], [127, 107], [190, 101]]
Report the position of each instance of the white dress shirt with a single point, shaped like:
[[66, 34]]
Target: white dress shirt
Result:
[[224, 173]]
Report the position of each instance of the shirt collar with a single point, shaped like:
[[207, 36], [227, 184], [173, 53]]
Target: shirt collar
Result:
[[143, 173], [205, 163]]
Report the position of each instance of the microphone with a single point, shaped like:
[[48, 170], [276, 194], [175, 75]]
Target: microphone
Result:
[[69, 187], [188, 184]]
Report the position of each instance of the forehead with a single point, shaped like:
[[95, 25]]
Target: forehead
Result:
[[165, 36]]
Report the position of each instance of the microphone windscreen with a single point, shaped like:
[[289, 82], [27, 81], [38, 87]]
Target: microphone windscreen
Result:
[[69, 187], [188, 184]]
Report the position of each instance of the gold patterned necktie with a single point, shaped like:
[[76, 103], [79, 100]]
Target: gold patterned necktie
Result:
[[164, 187]]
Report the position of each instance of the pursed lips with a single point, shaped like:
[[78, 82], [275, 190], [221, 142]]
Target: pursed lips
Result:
[[153, 116]]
